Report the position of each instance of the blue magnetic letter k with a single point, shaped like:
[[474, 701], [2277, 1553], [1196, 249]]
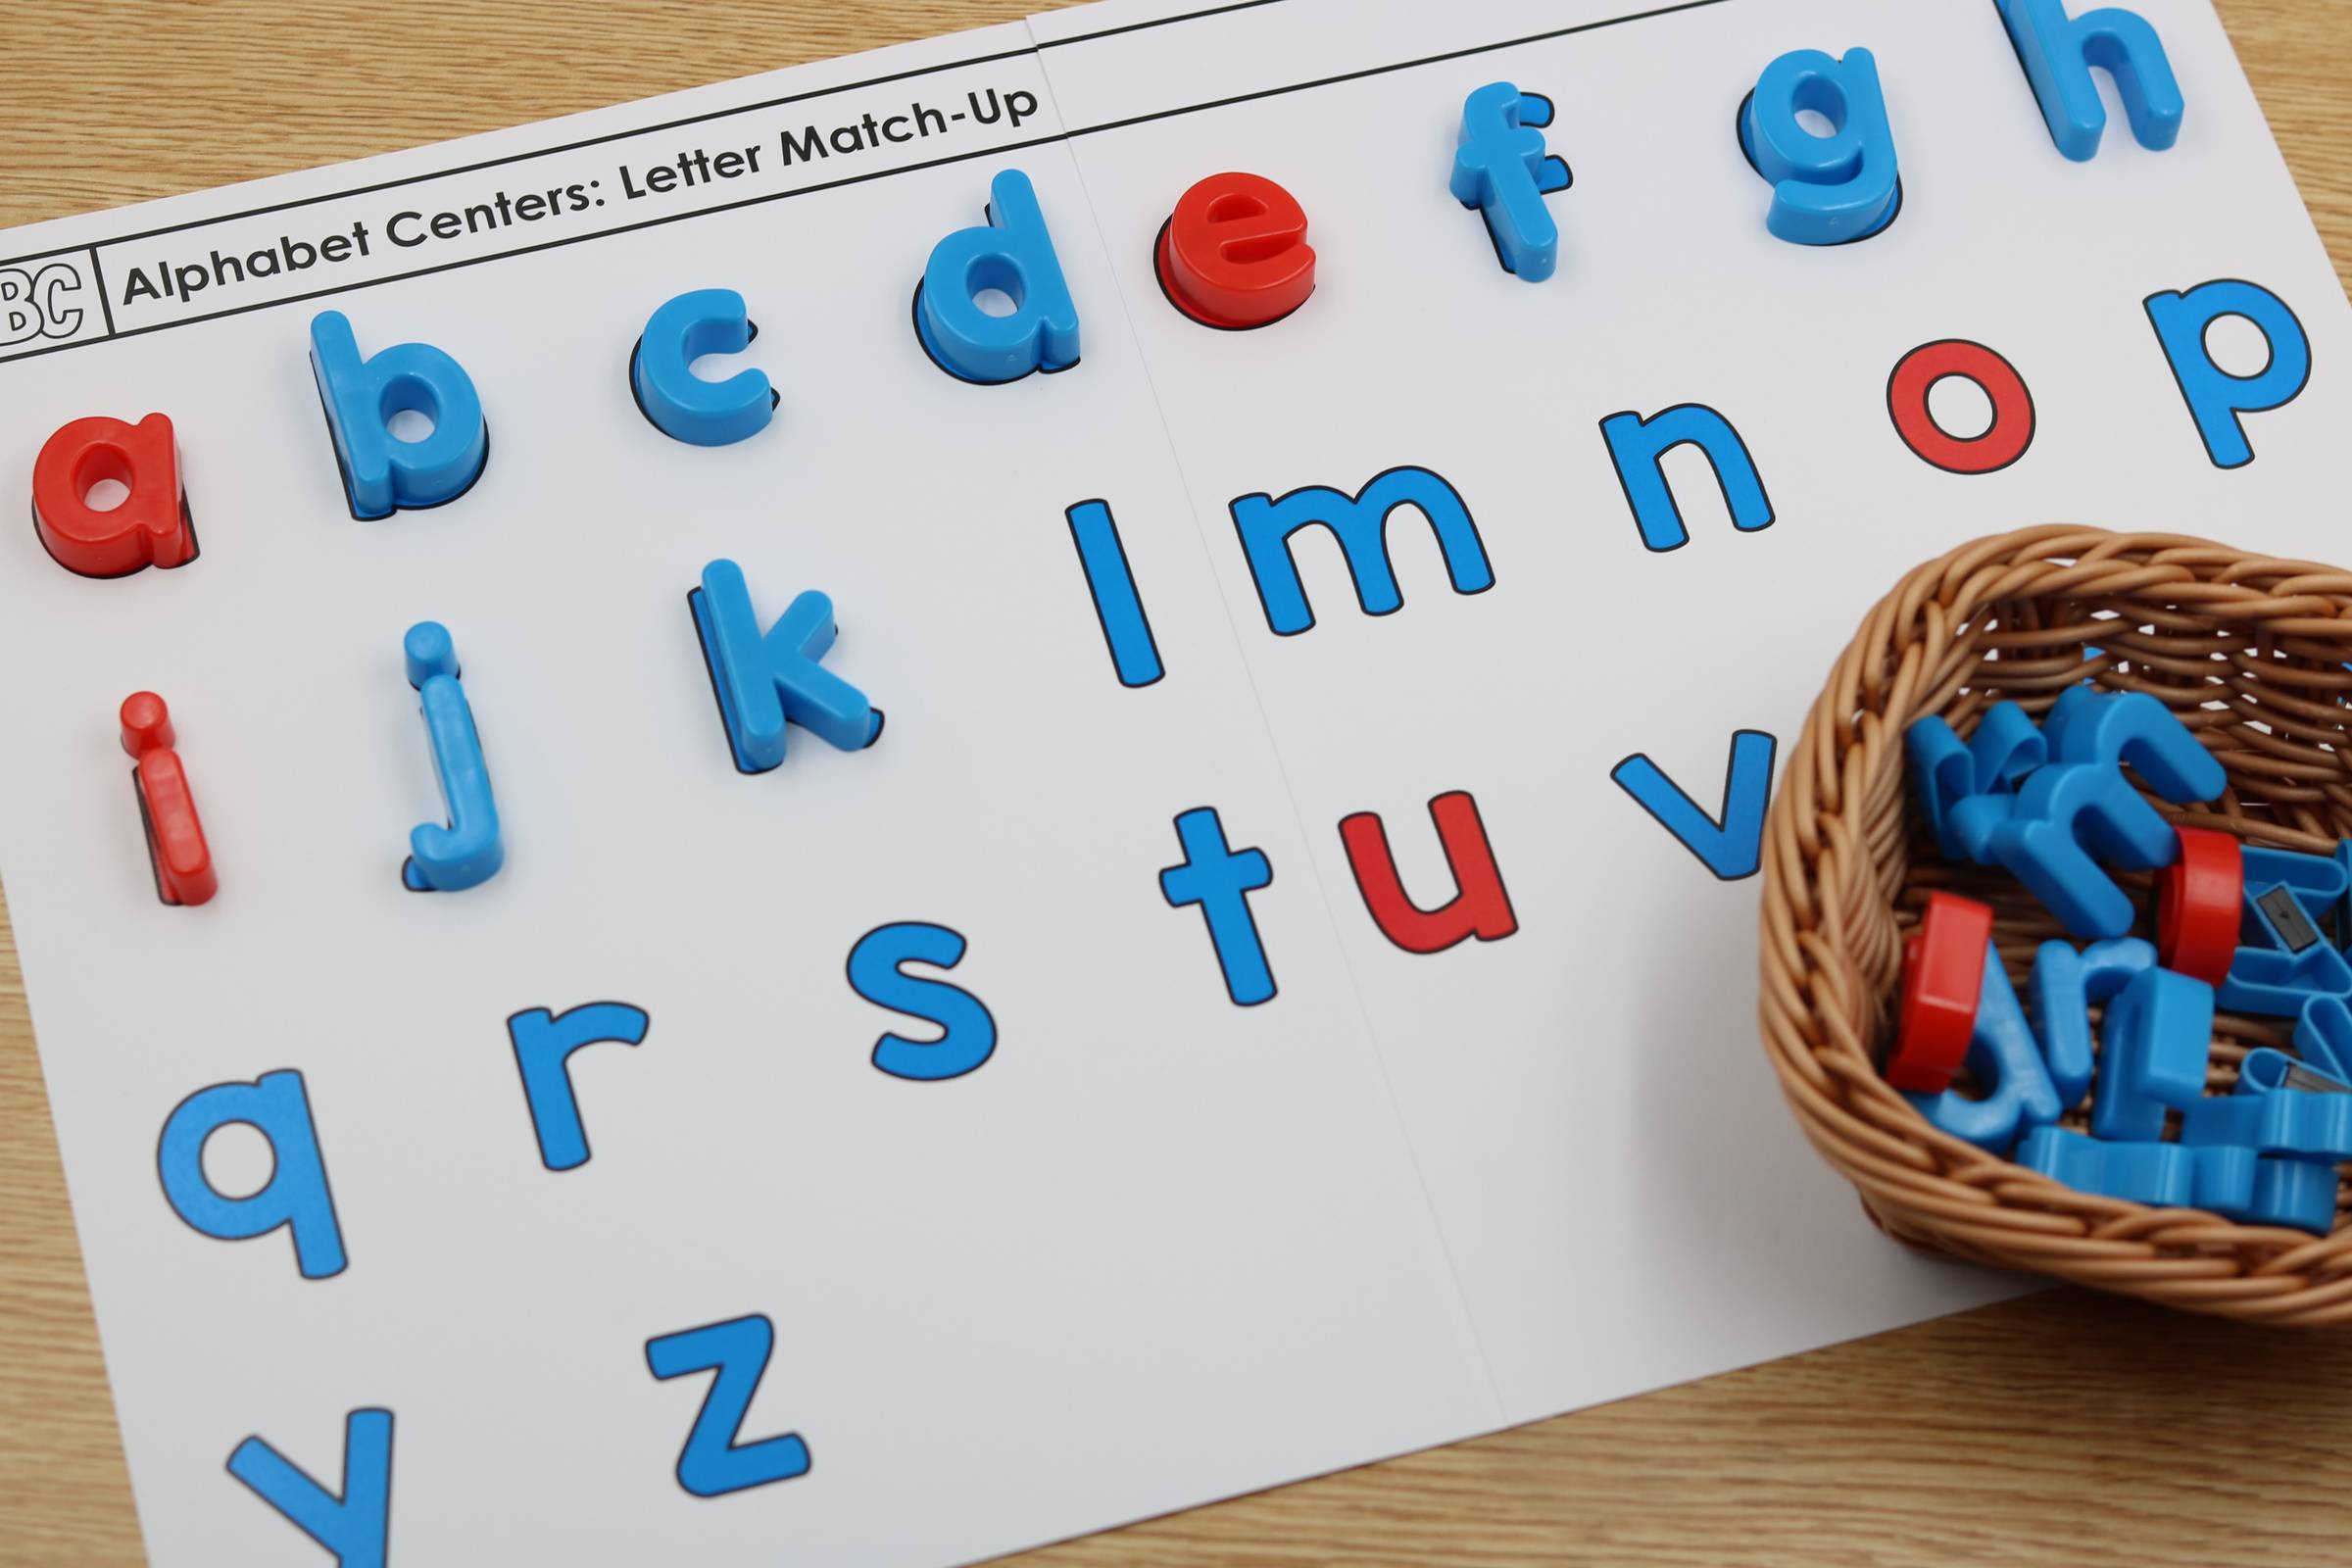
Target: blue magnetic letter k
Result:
[[763, 681]]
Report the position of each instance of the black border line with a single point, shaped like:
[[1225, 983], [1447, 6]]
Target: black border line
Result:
[[565, 147], [92, 247], [1401, 64], [526, 250], [106, 307], [1139, 27]]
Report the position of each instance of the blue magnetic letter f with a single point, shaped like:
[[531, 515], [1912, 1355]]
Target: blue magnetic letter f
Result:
[[1503, 170]]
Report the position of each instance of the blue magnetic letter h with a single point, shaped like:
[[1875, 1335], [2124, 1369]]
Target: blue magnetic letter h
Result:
[[2058, 52]]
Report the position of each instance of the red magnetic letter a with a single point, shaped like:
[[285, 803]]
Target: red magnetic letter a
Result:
[[1480, 906], [149, 527]]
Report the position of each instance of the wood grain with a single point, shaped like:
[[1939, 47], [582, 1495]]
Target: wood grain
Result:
[[2066, 1430]]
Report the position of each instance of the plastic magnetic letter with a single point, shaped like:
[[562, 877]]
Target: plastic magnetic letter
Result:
[[1730, 848], [2007, 1063], [766, 680], [1220, 880], [2215, 397], [2062, 990], [1480, 907], [2153, 1046], [2295, 1123], [1502, 172], [2324, 1035], [2058, 51], [2065, 812], [713, 1463], [1944, 982], [1638, 447], [468, 852], [2286, 960], [2165, 1175], [354, 1526], [2199, 901], [1234, 253], [176, 848], [2135, 727], [1361, 523], [1110, 581], [2300, 1193], [543, 1045], [151, 526], [2265, 1070], [1013, 256], [1825, 190], [295, 1196], [382, 471], [681, 404], [967, 1033], [2006, 746]]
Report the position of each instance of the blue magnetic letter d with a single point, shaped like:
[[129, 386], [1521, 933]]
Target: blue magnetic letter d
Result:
[[1013, 256]]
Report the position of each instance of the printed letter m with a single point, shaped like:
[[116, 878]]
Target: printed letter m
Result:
[[1361, 523]]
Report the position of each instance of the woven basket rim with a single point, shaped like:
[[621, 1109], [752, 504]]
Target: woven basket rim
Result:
[[1835, 861]]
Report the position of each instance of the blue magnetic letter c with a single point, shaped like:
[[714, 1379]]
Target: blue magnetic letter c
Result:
[[681, 404], [968, 1035], [296, 1195]]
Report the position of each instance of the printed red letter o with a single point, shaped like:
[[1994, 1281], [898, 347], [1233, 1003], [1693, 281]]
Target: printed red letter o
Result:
[[1919, 371]]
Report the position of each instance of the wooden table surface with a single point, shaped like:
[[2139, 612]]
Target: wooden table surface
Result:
[[2065, 1429]]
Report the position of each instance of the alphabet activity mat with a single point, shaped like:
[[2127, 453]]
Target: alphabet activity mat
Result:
[[1097, 700]]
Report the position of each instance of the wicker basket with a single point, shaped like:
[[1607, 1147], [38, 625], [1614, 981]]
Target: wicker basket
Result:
[[2250, 651]]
